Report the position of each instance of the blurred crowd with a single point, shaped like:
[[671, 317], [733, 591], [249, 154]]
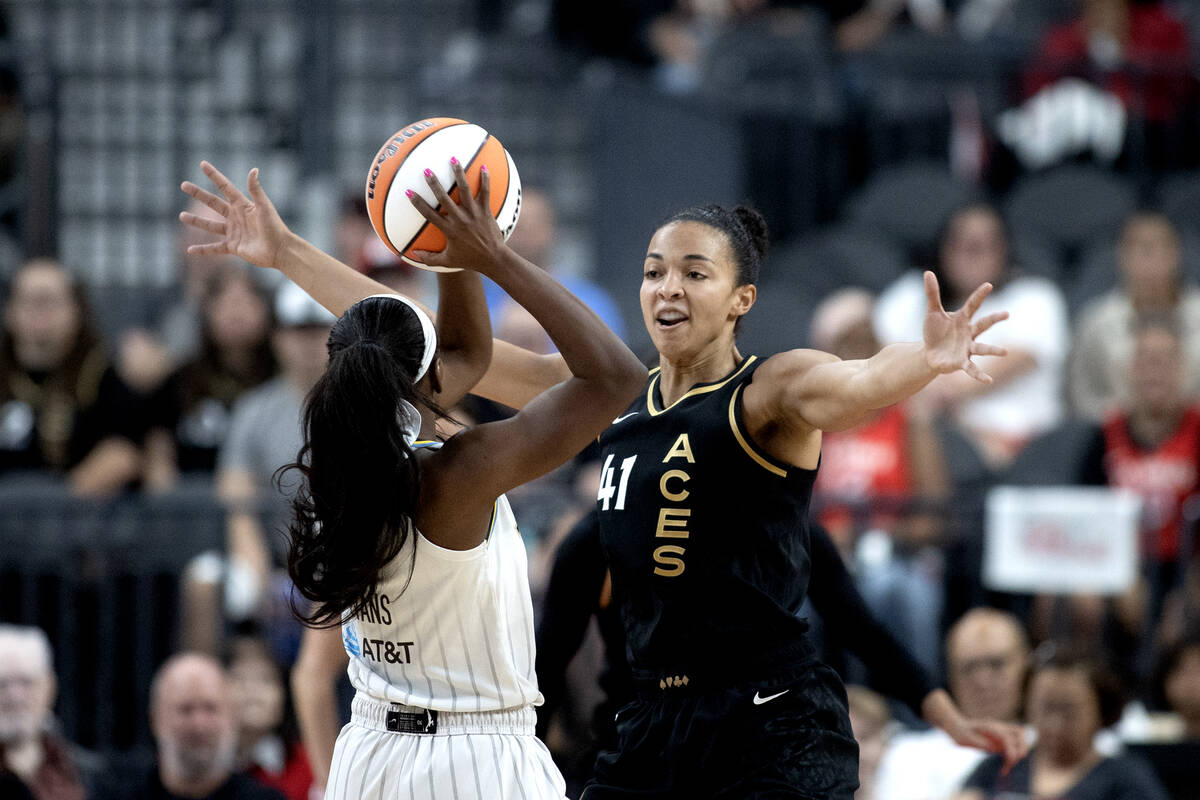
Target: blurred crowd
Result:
[[1099, 388]]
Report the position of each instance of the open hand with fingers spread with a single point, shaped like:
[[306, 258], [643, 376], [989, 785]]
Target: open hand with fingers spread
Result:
[[473, 238], [950, 336], [250, 227]]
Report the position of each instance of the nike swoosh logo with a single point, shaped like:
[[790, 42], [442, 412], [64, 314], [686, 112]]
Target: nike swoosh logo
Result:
[[627, 416], [758, 701]]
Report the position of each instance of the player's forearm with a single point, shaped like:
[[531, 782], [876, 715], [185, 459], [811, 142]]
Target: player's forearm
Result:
[[317, 715], [848, 392], [331, 283], [464, 333], [895, 373]]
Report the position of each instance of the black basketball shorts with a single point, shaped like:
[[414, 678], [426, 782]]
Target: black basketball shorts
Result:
[[788, 738]]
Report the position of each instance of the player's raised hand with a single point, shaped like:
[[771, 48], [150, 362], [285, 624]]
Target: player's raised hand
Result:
[[250, 227], [472, 235], [950, 336]]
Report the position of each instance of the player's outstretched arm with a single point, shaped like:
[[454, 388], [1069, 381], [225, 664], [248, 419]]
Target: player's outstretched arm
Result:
[[251, 229], [817, 390]]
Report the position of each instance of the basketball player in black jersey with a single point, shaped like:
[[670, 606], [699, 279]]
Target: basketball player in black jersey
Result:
[[706, 483], [705, 487]]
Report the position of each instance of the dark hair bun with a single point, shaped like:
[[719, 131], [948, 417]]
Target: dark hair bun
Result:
[[755, 225]]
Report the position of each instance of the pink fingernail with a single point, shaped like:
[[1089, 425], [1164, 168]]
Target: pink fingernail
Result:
[[483, 168], [428, 173], [454, 161], [410, 193]]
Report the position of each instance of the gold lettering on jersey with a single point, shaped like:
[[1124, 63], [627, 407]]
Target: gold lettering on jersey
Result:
[[673, 522], [676, 497], [672, 566], [681, 449], [673, 518]]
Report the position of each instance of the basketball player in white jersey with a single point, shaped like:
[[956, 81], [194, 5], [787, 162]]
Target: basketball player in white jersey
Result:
[[408, 542]]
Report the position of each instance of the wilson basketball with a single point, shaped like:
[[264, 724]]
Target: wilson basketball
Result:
[[429, 144]]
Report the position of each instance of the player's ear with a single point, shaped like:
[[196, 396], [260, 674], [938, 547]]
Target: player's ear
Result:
[[743, 298], [435, 376]]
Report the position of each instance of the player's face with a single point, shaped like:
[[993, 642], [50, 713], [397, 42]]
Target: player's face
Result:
[[1064, 709], [690, 297]]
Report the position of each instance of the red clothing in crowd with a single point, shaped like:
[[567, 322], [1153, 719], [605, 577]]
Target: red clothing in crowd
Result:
[[1164, 476], [1156, 60], [294, 780], [868, 461]]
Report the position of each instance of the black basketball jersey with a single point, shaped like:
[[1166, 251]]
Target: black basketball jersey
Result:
[[706, 536]]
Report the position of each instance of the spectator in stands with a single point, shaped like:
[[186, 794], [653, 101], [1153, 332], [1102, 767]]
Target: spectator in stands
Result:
[[1071, 698], [146, 356], [1150, 446], [987, 659], [264, 435], [192, 719], [191, 411], [1024, 398], [32, 753], [680, 36], [1138, 51], [533, 239], [1115, 79], [269, 747], [886, 463], [1152, 283], [63, 408], [1178, 685]]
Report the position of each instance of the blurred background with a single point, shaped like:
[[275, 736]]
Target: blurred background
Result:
[[148, 397]]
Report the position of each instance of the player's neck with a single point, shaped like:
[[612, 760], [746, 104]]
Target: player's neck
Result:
[[677, 377]]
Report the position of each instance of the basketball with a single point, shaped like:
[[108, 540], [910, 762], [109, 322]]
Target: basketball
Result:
[[429, 144]]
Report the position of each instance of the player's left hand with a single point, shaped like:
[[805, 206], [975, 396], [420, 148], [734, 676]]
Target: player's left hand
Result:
[[950, 336], [1002, 738]]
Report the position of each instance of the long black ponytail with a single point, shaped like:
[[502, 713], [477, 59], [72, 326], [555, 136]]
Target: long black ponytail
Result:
[[361, 481]]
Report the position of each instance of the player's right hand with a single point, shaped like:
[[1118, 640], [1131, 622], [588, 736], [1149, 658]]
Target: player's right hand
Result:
[[249, 228], [472, 237]]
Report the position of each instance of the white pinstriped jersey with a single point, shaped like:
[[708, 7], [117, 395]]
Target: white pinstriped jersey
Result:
[[459, 636]]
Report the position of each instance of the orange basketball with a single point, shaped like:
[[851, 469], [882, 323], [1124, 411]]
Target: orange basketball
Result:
[[429, 144]]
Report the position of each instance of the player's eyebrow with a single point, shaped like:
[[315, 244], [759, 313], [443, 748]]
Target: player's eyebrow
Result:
[[688, 257]]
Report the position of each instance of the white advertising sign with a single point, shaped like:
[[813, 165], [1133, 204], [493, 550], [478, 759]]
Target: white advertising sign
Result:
[[1061, 540]]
